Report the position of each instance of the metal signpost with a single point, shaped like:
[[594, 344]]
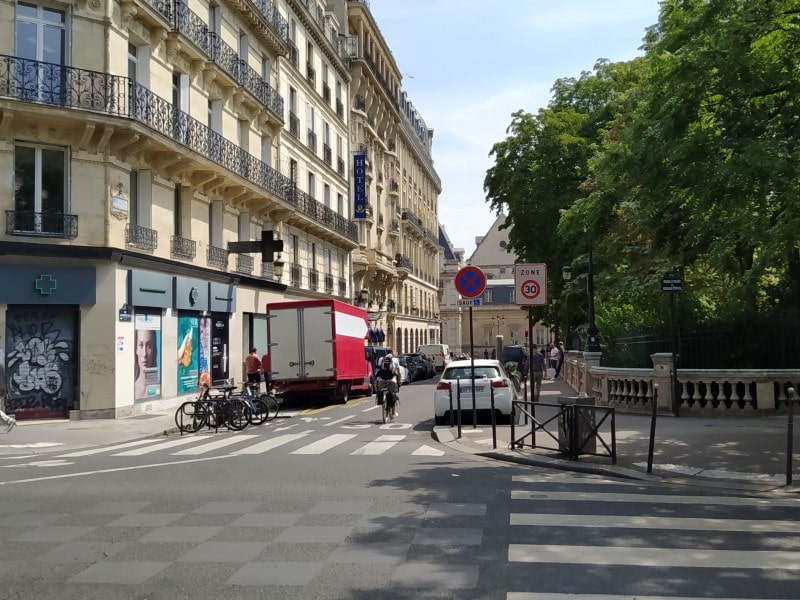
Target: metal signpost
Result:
[[530, 289], [470, 283], [672, 283]]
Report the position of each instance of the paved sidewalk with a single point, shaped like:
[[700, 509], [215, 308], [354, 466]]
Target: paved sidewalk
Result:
[[726, 452]]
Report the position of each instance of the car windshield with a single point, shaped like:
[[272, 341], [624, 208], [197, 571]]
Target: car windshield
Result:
[[466, 372]]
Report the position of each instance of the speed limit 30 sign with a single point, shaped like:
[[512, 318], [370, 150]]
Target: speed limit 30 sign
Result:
[[530, 284]]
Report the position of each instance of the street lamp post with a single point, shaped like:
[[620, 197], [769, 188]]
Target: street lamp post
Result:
[[566, 274], [592, 343], [498, 320]]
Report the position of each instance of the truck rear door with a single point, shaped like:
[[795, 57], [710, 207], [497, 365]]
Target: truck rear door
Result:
[[301, 342]]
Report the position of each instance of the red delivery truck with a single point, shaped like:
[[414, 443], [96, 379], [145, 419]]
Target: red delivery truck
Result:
[[316, 348]]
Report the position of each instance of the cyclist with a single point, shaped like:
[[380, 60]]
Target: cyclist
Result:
[[388, 376]]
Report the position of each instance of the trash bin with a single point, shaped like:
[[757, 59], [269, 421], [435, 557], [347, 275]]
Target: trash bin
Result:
[[573, 418]]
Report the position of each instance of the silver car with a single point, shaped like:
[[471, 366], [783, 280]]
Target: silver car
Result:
[[489, 378]]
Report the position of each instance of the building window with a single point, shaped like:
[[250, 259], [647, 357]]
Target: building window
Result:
[[41, 35], [326, 195], [340, 204], [40, 188], [177, 211], [312, 186]]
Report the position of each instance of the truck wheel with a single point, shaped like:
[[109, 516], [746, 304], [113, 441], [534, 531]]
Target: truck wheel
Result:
[[344, 394]]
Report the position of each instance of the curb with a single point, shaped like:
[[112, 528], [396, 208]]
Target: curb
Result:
[[714, 479]]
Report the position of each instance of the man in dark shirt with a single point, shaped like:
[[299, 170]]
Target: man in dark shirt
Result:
[[537, 368]]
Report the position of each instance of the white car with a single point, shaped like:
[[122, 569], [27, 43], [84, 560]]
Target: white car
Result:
[[405, 376], [490, 376]]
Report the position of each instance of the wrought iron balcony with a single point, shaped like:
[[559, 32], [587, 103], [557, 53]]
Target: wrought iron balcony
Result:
[[327, 154], [296, 273], [217, 257], [181, 247], [140, 237], [58, 85], [394, 227], [342, 286], [403, 262], [294, 125], [329, 284], [312, 140], [22, 222], [244, 263], [313, 279], [268, 270]]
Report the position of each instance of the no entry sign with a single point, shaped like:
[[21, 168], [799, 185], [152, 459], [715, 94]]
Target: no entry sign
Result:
[[530, 284]]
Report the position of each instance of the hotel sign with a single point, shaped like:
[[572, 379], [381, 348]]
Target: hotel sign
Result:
[[360, 186]]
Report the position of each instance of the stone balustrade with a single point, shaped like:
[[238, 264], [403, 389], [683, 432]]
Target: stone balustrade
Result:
[[701, 392]]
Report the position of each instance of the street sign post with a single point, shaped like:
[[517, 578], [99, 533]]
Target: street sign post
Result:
[[530, 284], [470, 281], [672, 282], [469, 302]]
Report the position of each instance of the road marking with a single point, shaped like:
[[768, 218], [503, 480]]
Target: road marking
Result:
[[551, 596], [272, 443], [342, 420], [105, 449], [672, 523], [156, 447], [379, 446], [655, 557], [202, 449], [325, 444], [652, 498], [32, 445], [39, 463], [427, 451]]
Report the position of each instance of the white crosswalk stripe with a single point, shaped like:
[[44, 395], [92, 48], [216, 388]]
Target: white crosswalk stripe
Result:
[[211, 446], [578, 504], [271, 443], [325, 443]]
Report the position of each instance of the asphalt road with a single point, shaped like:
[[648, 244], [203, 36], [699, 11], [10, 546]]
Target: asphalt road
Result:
[[326, 502]]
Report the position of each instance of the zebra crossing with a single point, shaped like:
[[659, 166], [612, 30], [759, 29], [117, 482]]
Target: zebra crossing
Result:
[[619, 541], [299, 443]]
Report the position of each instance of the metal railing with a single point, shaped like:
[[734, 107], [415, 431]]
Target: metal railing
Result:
[[181, 247], [217, 257], [140, 237], [313, 279], [328, 284], [296, 272], [23, 222], [69, 87], [244, 263]]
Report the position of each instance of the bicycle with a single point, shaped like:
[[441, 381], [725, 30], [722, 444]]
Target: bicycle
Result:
[[388, 399], [263, 407], [213, 410]]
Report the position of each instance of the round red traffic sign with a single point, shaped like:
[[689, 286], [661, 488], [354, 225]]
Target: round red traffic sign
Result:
[[470, 281], [530, 289]]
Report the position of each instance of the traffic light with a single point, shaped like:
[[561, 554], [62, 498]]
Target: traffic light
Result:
[[269, 246], [526, 334]]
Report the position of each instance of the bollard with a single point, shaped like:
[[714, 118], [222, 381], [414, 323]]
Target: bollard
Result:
[[458, 400], [652, 430], [789, 433], [450, 393], [494, 417]]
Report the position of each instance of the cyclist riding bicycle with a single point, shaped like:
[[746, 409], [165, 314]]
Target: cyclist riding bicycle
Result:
[[388, 376]]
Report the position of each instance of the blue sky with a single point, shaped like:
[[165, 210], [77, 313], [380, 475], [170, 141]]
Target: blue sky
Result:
[[468, 64]]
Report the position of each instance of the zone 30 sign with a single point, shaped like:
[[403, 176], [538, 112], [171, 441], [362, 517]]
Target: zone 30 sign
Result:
[[530, 284]]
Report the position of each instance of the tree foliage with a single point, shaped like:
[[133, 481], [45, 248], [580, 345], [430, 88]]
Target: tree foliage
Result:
[[686, 158]]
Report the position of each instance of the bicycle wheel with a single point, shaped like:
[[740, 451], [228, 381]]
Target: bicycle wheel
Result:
[[237, 414], [272, 405], [259, 412], [190, 417]]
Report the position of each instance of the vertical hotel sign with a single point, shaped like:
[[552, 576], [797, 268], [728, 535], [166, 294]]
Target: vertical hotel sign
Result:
[[360, 186]]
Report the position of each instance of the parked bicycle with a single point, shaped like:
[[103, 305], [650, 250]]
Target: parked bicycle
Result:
[[214, 408]]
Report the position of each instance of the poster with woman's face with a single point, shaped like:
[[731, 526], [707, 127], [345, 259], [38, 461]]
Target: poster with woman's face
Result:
[[188, 353], [147, 368]]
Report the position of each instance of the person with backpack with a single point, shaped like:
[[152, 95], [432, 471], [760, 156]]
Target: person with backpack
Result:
[[388, 376]]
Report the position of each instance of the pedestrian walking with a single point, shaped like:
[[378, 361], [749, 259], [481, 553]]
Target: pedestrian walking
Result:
[[560, 361], [9, 421], [553, 354], [253, 366], [537, 369]]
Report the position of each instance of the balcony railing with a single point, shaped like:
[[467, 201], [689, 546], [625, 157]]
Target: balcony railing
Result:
[[217, 257], [296, 272], [404, 262], [329, 284], [22, 222], [342, 287], [313, 279], [244, 263], [311, 140], [140, 237], [327, 154], [181, 247], [93, 91]]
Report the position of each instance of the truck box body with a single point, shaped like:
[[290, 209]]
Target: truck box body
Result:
[[316, 348]]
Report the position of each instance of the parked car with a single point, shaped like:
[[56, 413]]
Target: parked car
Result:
[[405, 375], [427, 363], [489, 376], [416, 370]]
